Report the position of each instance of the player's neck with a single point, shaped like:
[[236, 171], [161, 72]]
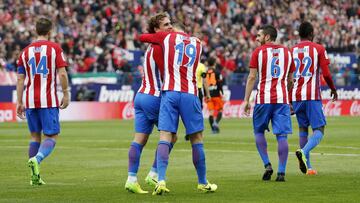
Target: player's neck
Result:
[[42, 38]]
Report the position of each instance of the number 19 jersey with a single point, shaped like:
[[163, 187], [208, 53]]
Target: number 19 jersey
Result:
[[273, 63], [181, 57], [39, 61]]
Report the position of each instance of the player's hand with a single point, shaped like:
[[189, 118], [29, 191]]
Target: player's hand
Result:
[[247, 108], [292, 112], [207, 99], [334, 95], [20, 111], [65, 101]]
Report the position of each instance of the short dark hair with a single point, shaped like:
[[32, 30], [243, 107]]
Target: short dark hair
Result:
[[43, 26], [154, 21], [305, 30], [211, 61], [179, 25], [269, 30]]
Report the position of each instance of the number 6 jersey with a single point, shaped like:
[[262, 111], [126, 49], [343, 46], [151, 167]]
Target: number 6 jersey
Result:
[[273, 63], [181, 57], [39, 61]]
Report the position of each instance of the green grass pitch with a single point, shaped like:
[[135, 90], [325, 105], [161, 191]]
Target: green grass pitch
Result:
[[89, 164]]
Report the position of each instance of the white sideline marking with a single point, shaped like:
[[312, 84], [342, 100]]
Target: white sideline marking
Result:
[[182, 150]]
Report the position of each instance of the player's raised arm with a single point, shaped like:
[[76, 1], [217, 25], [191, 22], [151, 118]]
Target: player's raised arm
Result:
[[155, 38]]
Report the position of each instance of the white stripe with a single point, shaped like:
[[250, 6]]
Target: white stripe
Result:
[[146, 73], [166, 64], [314, 76], [267, 94], [279, 92], [152, 68], [177, 78], [306, 79], [287, 75], [31, 54], [295, 86], [260, 58], [43, 81], [53, 72], [26, 75]]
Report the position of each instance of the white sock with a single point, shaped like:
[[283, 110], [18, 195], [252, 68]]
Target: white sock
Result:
[[152, 174], [132, 179]]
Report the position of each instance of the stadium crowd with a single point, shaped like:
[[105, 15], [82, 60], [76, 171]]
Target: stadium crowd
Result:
[[95, 34]]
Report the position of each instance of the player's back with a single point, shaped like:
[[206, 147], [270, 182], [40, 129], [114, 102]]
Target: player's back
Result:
[[308, 58], [273, 63], [214, 79], [151, 80], [40, 60], [181, 54]]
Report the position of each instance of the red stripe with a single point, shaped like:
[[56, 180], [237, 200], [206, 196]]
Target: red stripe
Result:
[[28, 74], [151, 77], [263, 75], [170, 59], [49, 77], [143, 79], [183, 70], [37, 83], [311, 70], [198, 54], [274, 81], [286, 66], [301, 79]]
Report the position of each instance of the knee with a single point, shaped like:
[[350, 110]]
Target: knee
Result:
[[321, 129], [141, 138]]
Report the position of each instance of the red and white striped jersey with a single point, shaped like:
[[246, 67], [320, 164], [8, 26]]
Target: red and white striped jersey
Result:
[[181, 57], [40, 60], [153, 71], [309, 57], [273, 63]]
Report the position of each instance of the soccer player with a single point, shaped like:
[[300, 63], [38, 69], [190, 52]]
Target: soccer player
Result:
[[179, 98], [38, 65], [147, 105], [309, 58], [215, 104], [274, 67]]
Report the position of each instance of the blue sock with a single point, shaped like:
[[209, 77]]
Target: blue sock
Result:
[[198, 155], [162, 157], [313, 141], [154, 166], [261, 146], [33, 148], [46, 147], [283, 151], [134, 158], [303, 139]]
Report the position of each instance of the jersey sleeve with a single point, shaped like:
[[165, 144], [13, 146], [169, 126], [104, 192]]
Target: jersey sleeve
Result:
[[155, 38], [158, 57], [20, 65], [254, 59], [324, 61], [60, 60]]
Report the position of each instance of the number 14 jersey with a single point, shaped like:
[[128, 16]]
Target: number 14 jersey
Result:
[[273, 63], [38, 62], [181, 57]]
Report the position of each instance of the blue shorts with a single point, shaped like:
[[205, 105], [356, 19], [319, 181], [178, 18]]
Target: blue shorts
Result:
[[175, 104], [146, 112], [44, 119], [279, 114], [309, 113]]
